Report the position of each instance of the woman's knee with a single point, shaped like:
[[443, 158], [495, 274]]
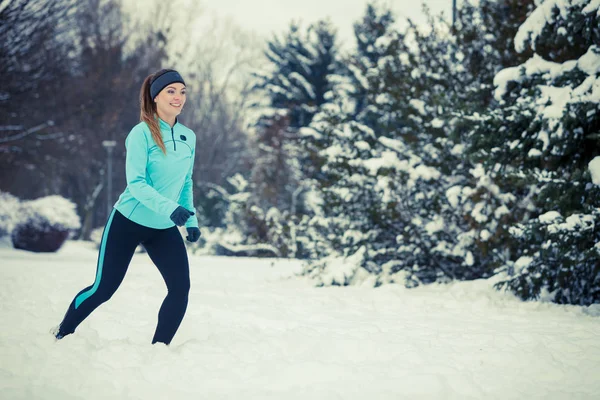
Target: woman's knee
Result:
[[181, 288], [185, 287]]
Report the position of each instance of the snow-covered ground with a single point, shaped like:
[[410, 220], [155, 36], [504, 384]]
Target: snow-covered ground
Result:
[[254, 330]]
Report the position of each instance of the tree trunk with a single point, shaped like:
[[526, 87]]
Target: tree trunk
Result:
[[88, 212]]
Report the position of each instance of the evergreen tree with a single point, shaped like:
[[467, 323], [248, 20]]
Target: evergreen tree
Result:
[[538, 142], [371, 34], [398, 191], [485, 33], [302, 63]]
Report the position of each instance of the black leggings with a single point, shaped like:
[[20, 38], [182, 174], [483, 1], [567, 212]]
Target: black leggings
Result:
[[120, 239]]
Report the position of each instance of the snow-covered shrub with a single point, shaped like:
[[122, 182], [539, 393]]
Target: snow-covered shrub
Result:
[[258, 231], [96, 236], [338, 270], [9, 215], [251, 230], [208, 242], [46, 224]]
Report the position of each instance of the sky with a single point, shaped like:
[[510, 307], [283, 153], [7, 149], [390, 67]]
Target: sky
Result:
[[240, 28], [267, 16]]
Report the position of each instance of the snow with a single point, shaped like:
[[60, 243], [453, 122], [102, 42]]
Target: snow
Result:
[[383, 42], [415, 73], [333, 152], [452, 194], [469, 260], [478, 212], [522, 263], [478, 171], [516, 231], [425, 173], [45, 212], [364, 82], [362, 145], [364, 129], [54, 210], [303, 83], [544, 138], [385, 186], [339, 270], [9, 215], [500, 211], [534, 153], [418, 105], [594, 5], [435, 225], [485, 235], [437, 123], [589, 90], [393, 144], [273, 214], [594, 168], [544, 14], [457, 150], [351, 237], [404, 59], [383, 99], [590, 61], [388, 159], [309, 132], [582, 222], [255, 330], [549, 217], [239, 197]]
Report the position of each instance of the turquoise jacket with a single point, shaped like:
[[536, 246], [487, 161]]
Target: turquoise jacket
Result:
[[158, 183]]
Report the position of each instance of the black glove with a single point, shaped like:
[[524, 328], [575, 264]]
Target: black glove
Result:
[[180, 216], [193, 234]]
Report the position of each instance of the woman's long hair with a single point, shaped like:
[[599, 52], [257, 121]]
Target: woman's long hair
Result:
[[148, 112]]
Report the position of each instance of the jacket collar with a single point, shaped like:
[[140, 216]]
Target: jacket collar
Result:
[[164, 125]]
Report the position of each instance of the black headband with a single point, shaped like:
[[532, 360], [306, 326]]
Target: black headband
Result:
[[162, 81]]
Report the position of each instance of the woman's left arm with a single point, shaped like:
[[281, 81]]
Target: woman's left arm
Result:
[[186, 198]]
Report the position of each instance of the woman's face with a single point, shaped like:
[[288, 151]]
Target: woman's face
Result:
[[170, 100]]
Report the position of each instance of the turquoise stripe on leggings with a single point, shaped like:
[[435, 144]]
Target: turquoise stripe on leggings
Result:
[[83, 296]]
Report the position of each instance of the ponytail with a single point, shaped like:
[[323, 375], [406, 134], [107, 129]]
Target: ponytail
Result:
[[148, 111]]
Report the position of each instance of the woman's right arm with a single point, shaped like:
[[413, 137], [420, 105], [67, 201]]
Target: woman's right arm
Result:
[[135, 171]]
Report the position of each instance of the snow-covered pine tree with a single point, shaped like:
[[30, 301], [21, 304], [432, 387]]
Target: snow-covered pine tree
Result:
[[398, 187], [539, 142], [301, 63], [485, 32], [467, 209], [374, 27], [325, 228], [476, 208], [378, 156]]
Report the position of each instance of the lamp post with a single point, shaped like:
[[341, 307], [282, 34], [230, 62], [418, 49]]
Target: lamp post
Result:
[[109, 145], [453, 13]]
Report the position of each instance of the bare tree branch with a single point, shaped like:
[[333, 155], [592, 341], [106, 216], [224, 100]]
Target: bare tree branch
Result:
[[27, 132]]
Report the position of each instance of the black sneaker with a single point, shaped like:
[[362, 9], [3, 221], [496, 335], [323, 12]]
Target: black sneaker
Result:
[[57, 333]]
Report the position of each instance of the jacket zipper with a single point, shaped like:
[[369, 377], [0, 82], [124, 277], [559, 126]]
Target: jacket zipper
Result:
[[173, 137]]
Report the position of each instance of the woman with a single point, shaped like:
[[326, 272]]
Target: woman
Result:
[[158, 196]]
